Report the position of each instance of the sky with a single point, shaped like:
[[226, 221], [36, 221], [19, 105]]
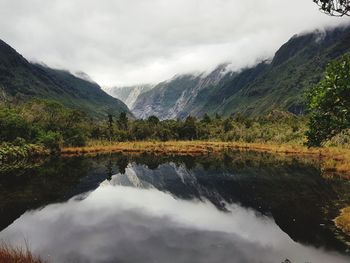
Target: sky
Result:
[[127, 42]]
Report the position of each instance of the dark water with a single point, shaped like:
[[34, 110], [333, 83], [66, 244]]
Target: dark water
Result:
[[239, 207]]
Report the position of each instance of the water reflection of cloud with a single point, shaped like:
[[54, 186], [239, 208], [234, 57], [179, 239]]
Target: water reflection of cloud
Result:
[[126, 224]]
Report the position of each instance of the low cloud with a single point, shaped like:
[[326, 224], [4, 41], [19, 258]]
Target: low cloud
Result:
[[128, 42]]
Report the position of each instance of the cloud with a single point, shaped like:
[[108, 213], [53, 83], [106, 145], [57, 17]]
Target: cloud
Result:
[[128, 42], [115, 223]]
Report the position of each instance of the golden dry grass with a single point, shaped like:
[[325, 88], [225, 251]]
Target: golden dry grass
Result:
[[334, 161], [17, 255], [343, 221]]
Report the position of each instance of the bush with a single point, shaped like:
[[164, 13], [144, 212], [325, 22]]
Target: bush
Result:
[[74, 137], [51, 140], [12, 125], [329, 103]]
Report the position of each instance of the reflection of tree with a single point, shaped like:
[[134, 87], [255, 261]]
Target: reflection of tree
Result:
[[151, 161], [190, 163], [122, 162], [109, 167]]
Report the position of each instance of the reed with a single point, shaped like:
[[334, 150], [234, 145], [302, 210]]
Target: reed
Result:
[[343, 220], [17, 255], [334, 161]]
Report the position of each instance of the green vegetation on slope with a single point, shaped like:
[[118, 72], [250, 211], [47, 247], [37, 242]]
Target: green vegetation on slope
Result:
[[277, 127], [52, 125], [330, 103], [21, 80], [297, 65], [41, 122], [278, 84]]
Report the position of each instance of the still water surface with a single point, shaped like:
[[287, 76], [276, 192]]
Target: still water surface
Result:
[[241, 207]]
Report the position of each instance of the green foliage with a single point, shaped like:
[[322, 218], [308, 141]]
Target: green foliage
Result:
[[22, 80], [110, 125], [43, 122], [50, 140], [228, 125], [123, 121], [153, 120], [256, 91], [277, 127], [334, 7], [188, 130], [13, 125], [13, 152], [206, 119], [53, 126], [329, 102]]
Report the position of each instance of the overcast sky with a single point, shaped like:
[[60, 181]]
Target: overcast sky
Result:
[[123, 42]]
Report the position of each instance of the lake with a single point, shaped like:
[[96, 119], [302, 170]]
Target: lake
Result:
[[232, 207]]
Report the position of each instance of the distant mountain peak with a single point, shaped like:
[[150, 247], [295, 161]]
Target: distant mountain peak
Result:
[[128, 94]]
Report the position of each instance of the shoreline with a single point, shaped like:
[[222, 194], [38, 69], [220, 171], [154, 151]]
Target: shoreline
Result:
[[343, 220], [335, 161], [17, 254]]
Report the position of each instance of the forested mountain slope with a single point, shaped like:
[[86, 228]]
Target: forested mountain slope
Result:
[[24, 80], [276, 84]]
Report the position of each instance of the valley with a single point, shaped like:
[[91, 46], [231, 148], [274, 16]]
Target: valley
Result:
[[278, 83], [200, 132]]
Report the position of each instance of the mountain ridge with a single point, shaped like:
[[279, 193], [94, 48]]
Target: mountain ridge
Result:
[[276, 84], [24, 80]]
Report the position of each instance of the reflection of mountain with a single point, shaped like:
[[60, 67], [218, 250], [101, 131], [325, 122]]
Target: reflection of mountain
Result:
[[170, 177], [54, 181], [129, 224], [294, 195]]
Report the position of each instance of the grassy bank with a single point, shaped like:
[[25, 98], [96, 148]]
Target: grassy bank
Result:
[[343, 220], [334, 161], [10, 152], [17, 255]]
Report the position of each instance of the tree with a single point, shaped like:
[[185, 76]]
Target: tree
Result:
[[189, 129], [217, 116], [228, 124], [329, 102], [110, 126], [206, 119], [123, 121], [334, 7], [153, 120], [12, 126]]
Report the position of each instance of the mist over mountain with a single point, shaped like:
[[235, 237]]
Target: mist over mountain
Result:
[[277, 84], [23, 80], [129, 94]]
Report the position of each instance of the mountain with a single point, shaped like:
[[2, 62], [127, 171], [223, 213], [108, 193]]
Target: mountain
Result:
[[276, 84], [165, 99], [129, 94], [24, 80]]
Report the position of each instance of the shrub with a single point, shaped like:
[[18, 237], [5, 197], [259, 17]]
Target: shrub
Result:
[[51, 140]]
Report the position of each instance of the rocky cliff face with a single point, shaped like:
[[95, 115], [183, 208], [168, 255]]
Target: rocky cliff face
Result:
[[276, 84], [176, 98], [129, 94]]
